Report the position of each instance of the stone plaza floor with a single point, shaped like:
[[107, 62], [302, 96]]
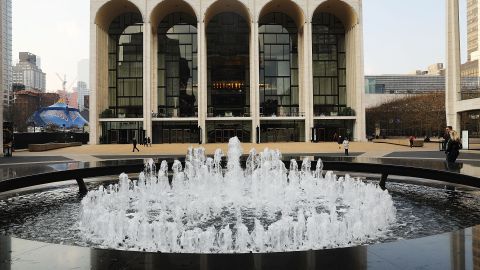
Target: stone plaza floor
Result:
[[124, 151]]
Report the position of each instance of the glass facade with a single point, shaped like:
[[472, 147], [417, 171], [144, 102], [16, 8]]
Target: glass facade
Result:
[[125, 67], [471, 121], [278, 45], [177, 66], [282, 131], [329, 130], [121, 132], [176, 132], [228, 36], [200, 60], [329, 65], [222, 131]]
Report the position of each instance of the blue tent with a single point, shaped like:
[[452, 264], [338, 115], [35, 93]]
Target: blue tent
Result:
[[59, 114]]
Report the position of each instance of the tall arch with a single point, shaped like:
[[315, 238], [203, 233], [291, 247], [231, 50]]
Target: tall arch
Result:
[[337, 69], [342, 10], [221, 6], [287, 7], [112, 9], [167, 7], [117, 80]]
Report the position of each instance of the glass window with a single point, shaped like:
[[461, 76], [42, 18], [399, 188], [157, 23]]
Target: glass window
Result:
[[278, 65], [228, 64], [282, 131], [177, 66], [329, 64], [125, 63]]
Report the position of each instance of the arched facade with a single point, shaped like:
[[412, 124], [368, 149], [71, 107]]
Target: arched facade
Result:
[[213, 69]]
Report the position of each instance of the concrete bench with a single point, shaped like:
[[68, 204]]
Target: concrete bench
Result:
[[50, 146], [404, 142]]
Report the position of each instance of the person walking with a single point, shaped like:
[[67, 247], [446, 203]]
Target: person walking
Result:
[[411, 139], [134, 142], [446, 137], [335, 137], [346, 145], [149, 141], [453, 147], [340, 141]]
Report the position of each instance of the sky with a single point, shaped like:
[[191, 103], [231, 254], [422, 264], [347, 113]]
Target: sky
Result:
[[399, 36]]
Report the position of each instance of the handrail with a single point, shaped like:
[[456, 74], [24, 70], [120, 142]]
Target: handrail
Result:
[[346, 166]]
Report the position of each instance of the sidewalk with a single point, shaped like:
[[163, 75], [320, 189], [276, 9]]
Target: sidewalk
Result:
[[89, 153]]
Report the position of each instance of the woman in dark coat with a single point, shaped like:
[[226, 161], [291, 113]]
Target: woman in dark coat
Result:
[[453, 147]]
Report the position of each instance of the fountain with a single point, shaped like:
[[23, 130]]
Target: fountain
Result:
[[263, 207]]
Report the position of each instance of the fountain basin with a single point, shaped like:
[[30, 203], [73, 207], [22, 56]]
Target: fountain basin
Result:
[[442, 196]]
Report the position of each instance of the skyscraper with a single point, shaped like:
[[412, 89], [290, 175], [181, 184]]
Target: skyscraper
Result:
[[28, 72], [82, 91], [83, 71], [6, 60], [472, 28]]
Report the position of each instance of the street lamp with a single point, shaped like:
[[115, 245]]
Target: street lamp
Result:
[[64, 135]]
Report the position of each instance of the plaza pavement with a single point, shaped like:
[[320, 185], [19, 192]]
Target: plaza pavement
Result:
[[119, 151]]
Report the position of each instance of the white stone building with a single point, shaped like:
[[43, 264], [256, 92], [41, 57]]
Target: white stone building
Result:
[[190, 70], [463, 101]]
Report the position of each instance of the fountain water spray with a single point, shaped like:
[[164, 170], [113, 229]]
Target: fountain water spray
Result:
[[209, 209]]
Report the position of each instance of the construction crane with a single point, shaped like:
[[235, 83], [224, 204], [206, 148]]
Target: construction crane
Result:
[[64, 86]]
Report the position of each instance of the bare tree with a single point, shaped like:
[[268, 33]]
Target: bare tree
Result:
[[419, 115]]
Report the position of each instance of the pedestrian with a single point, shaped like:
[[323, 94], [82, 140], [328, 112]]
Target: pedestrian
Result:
[[340, 141], [411, 139], [134, 142], [145, 141], [446, 137], [346, 145], [149, 141], [453, 147]]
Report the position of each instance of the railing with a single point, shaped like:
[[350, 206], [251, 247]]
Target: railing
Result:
[[172, 115], [120, 115], [469, 94], [285, 114], [437, 171], [228, 114]]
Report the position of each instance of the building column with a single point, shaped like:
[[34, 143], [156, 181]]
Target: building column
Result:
[[154, 72], [360, 126], [147, 76], [202, 79], [307, 92], [94, 85], [452, 63], [254, 80], [2, 76]]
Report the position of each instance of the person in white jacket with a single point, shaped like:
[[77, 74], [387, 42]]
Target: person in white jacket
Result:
[[346, 144]]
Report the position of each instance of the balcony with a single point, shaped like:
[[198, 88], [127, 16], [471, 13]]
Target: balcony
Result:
[[109, 113]]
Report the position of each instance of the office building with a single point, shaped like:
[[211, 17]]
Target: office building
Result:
[[28, 72], [6, 58]]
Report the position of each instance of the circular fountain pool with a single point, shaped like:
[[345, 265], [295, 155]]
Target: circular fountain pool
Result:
[[204, 208]]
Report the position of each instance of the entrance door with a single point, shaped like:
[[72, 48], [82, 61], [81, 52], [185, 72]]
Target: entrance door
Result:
[[113, 136], [123, 136]]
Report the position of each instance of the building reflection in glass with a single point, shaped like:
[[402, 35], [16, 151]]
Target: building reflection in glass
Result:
[[278, 65], [177, 66], [329, 65], [125, 67]]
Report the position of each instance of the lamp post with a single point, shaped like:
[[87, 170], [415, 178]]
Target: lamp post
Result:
[[64, 135]]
